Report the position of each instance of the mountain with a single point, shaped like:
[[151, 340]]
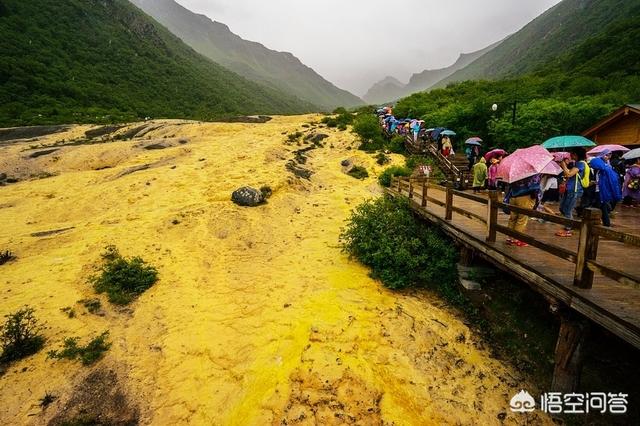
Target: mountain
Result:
[[564, 26], [391, 89], [280, 70], [387, 89], [105, 60]]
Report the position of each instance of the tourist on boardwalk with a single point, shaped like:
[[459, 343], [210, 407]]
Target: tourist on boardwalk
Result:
[[524, 194], [479, 175], [574, 173], [607, 188], [472, 152], [631, 186], [447, 147]]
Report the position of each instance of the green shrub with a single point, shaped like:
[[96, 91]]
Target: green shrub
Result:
[[341, 119], [382, 158], [367, 128], [384, 235], [123, 279], [385, 177], [358, 172], [395, 145], [293, 137], [92, 352], [20, 335]]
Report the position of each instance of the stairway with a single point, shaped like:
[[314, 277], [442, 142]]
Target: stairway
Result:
[[456, 168]]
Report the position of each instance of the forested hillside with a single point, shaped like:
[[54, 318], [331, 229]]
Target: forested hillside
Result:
[[280, 70], [104, 60], [563, 96], [561, 28]]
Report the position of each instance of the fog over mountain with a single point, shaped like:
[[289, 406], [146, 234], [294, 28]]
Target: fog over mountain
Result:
[[357, 43]]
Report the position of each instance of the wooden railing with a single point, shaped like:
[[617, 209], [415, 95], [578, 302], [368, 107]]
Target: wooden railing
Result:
[[584, 258]]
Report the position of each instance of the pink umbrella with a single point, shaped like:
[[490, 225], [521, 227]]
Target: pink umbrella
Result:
[[559, 156], [551, 169], [495, 153], [611, 148], [524, 163]]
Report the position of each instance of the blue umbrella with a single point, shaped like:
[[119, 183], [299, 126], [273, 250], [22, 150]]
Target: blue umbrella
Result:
[[448, 133], [564, 142], [474, 141]]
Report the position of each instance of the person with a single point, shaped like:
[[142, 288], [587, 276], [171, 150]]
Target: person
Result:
[[479, 175], [447, 147], [608, 189], [524, 194], [631, 186], [492, 175], [574, 189], [472, 152]]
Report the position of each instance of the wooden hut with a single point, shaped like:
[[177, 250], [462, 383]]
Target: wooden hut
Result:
[[622, 127]]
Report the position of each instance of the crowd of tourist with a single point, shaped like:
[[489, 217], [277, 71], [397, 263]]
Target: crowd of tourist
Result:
[[529, 178]]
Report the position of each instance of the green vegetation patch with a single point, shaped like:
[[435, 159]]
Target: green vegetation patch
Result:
[[123, 279], [341, 119], [385, 177], [358, 172], [20, 335], [384, 235], [88, 354]]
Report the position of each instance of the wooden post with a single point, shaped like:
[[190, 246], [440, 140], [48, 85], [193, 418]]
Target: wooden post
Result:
[[425, 185], [569, 355], [448, 215], [492, 216], [399, 185], [466, 256], [410, 189], [587, 248]]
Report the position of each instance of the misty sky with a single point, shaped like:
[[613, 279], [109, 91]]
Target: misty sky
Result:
[[355, 43]]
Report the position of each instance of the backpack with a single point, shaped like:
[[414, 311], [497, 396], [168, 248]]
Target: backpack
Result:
[[586, 179]]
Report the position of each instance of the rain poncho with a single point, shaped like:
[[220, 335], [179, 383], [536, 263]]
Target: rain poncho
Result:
[[608, 182], [479, 173]]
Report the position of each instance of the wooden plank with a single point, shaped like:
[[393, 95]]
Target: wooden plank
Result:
[[469, 214], [620, 237], [587, 248], [549, 248], [619, 276], [449, 205], [540, 215], [472, 197]]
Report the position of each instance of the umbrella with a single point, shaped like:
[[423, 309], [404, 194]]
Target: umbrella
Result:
[[473, 143], [551, 169], [524, 163], [448, 133], [632, 155], [563, 142], [611, 148], [474, 139], [559, 156], [495, 153]]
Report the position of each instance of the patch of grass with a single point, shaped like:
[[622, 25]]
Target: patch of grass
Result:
[[384, 235], [20, 335], [6, 256], [266, 191], [341, 119], [382, 158], [92, 305], [47, 400], [385, 177], [123, 279], [293, 137], [88, 354], [69, 311], [358, 172]]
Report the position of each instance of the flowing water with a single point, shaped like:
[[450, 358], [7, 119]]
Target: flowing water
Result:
[[258, 317]]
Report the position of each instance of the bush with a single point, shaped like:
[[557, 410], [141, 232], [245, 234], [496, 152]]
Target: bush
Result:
[[358, 172], [341, 119], [385, 177], [88, 354], [395, 145], [384, 235], [123, 279], [382, 159], [367, 128], [20, 335]]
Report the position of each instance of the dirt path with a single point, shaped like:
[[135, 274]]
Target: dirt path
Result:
[[258, 318]]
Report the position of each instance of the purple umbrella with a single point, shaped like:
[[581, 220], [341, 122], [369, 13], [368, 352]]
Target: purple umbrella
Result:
[[611, 148], [524, 163]]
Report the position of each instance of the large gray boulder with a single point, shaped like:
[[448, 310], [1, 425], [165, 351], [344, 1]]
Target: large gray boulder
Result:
[[247, 197]]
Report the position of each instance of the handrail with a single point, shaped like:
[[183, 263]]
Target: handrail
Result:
[[585, 258]]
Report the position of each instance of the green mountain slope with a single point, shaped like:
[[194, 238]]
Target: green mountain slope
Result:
[[252, 60], [105, 60], [556, 31]]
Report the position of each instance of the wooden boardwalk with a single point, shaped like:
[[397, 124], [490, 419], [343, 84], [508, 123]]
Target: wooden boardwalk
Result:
[[551, 268]]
